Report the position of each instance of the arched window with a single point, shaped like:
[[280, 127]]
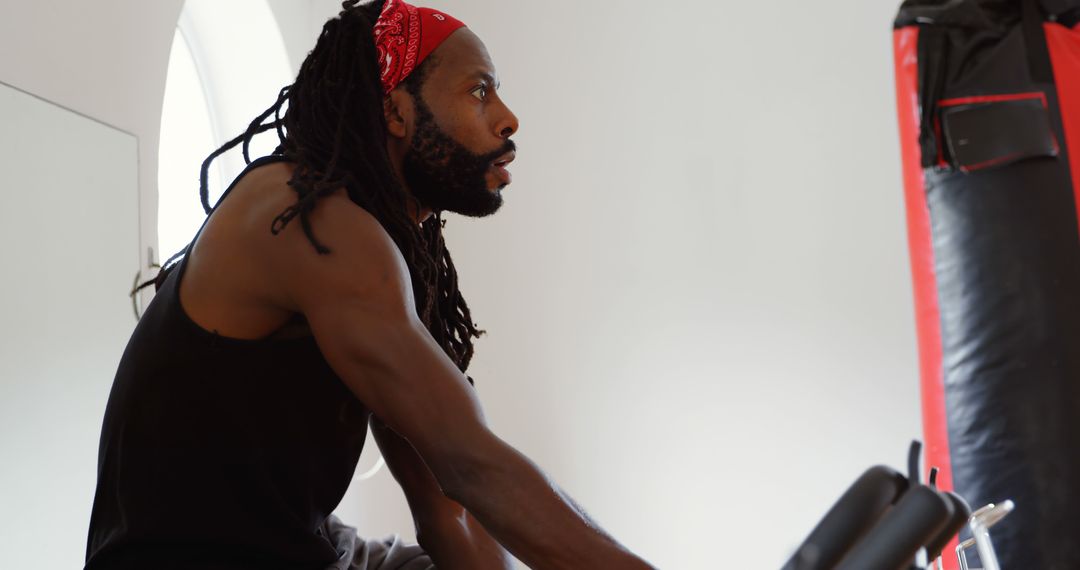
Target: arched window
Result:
[[187, 137], [228, 63]]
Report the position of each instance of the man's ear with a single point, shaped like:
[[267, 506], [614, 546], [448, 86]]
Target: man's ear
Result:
[[396, 106]]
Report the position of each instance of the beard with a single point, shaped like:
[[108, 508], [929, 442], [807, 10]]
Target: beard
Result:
[[444, 175]]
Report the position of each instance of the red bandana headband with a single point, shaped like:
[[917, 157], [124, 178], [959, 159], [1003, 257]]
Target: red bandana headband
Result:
[[405, 35]]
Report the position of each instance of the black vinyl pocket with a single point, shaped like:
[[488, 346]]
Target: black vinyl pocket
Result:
[[986, 132]]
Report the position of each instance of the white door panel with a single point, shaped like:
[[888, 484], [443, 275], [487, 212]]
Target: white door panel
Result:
[[69, 237]]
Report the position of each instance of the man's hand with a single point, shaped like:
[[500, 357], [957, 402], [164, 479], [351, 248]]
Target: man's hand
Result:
[[451, 537]]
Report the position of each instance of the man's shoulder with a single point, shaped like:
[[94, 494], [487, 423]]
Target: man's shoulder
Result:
[[268, 214], [344, 248]]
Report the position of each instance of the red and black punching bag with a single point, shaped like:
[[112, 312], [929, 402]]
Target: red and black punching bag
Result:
[[988, 96]]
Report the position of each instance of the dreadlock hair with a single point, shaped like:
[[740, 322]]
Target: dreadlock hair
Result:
[[334, 130]]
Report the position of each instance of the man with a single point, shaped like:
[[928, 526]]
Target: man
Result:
[[242, 401]]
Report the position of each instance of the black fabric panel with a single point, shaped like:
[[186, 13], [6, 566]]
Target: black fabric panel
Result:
[[1007, 262], [982, 14], [1038, 54], [957, 37], [1057, 8], [953, 41]]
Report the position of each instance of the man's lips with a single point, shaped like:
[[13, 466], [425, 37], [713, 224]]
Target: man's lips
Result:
[[505, 159], [501, 173], [498, 166]]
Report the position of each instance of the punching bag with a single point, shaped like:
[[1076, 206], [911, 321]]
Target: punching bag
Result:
[[988, 96]]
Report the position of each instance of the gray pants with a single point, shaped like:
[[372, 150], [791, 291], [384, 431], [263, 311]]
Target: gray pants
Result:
[[355, 553]]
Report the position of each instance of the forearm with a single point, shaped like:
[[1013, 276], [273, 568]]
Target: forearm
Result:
[[450, 536], [534, 519], [456, 541]]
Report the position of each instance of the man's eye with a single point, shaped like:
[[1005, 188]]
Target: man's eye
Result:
[[480, 92]]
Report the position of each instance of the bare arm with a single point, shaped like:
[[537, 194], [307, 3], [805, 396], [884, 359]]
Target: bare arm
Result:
[[359, 304], [449, 534]]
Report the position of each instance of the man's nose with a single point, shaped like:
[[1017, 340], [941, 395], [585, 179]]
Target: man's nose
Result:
[[508, 125]]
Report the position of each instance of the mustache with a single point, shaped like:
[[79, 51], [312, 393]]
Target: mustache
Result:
[[489, 157]]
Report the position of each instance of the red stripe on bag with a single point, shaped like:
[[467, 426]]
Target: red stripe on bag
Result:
[[927, 316], [1064, 46], [993, 99]]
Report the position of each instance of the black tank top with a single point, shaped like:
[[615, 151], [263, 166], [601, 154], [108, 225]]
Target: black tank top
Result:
[[220, 453]]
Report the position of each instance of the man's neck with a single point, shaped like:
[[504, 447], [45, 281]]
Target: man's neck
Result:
[[419, 214], [416, 212]]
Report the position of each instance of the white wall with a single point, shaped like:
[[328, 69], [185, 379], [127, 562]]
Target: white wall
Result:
[[66, 318], [105, 59], [67, 264], [243, 63], [738, 247], [697, 294], [298, 30]]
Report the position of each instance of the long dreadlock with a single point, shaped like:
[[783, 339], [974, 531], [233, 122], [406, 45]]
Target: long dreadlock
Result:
[[334, 130]]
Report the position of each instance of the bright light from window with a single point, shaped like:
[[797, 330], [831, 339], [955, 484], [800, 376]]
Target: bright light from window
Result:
[[186, 140]]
